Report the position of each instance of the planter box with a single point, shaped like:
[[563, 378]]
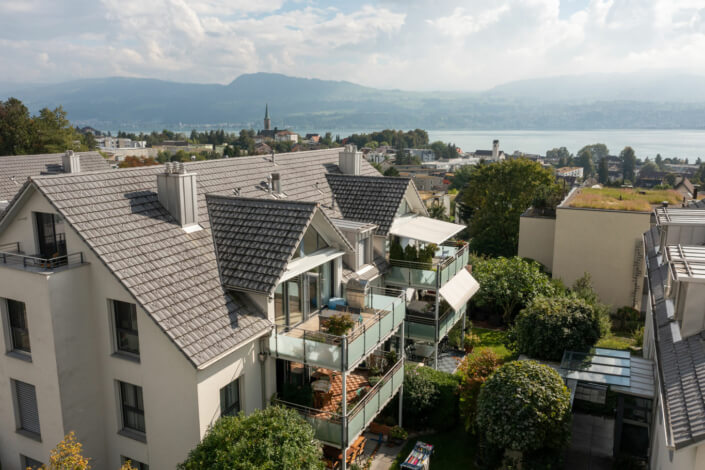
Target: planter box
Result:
[[378, 428]]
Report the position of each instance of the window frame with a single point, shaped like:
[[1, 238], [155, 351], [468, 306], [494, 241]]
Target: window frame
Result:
[[229, 410], [32, 434], [26, 462], [135, 433], [11, 328], [136, 464], [117, 330], [8, 330]]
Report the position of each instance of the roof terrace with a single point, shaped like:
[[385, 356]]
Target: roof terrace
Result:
[[622, 199]]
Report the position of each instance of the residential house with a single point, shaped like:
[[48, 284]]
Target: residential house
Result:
[[674, 337], [425, 155], [140, 305], [569, 171], [286, 136]]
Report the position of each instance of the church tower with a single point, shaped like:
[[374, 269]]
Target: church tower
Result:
[[267, 121]]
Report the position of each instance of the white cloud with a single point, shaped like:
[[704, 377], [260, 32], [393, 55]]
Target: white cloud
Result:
[[411, 44]]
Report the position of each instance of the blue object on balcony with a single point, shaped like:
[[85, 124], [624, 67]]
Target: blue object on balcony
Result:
[[335, 301]]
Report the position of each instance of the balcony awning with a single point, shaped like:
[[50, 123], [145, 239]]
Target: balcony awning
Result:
[[460, 289], [424, 229], [307, 263]]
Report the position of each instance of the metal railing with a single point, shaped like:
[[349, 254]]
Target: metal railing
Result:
[[344, 352], [426, 274], [11, 256], [330, 427]]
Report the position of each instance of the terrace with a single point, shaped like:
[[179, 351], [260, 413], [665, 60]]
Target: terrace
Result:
[[622, 199], [311, 342], [421, 323], [446, 262], [367, 391], [12, 257]]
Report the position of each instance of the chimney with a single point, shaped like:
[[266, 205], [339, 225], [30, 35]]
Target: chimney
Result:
[[71, 162], [276, 183], [177, 193], [349, 160], [495, 150]]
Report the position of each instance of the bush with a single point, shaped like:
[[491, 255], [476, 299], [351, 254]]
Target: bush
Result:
[[430, 398], [340, 324], [551, 325], [473, 372], [525, 406], [582, 288], [507, 285], [268, 439], [639, 337], [627, 319]]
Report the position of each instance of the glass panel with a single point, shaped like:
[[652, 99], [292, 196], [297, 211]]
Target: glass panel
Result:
[[32, 464], [18, 325], [294, 301], [313, 294], [45, 235], [230, 399], [132, 407], [279, 313], [326, 292], [310, 241], [126, 327]]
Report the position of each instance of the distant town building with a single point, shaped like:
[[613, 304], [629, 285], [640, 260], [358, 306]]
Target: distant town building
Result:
[[566, 171], [426, 155], [286, 136], [494, 155]]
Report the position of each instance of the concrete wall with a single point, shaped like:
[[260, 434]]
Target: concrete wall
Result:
[[688, 458], [536, 238], [602, 243]]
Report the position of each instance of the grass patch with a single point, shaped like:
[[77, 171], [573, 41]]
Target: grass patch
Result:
[[615, 342], [453, 449], [494, 340], [624, 199]]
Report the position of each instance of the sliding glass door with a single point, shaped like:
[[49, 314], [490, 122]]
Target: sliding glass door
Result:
[[301, 296], [50, 235]]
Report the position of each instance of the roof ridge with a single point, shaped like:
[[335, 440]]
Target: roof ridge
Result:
[[260, 200]]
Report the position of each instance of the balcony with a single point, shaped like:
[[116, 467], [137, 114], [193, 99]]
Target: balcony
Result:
[[12, 257], [365, 399], [446, 263], [309, 343], [421, 323]]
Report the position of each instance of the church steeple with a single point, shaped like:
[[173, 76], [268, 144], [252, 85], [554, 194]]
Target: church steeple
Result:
[[267, 121]]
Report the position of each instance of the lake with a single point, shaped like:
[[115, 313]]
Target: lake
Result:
[[646, 143]]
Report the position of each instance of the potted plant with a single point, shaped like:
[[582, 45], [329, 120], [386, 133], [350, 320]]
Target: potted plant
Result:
[[374, 379], [398, 434], [471, 340], [340, 324]]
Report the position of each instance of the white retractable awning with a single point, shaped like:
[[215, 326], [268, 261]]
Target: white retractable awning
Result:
[[460, 289], [307, 263], [424, 229]]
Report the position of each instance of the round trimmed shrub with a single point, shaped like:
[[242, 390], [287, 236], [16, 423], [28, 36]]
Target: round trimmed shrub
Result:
[[524, 406], [269, 439], [550, 325]]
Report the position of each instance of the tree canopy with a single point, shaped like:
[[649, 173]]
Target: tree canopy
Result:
[[496, 196], [525, 406], [548, 326], [507, 285], [268, 439], [629, 163]]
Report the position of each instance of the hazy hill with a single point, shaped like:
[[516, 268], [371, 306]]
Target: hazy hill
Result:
[[585, 102]]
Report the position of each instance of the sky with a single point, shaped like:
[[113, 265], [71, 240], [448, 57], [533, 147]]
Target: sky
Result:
[[406, 44]]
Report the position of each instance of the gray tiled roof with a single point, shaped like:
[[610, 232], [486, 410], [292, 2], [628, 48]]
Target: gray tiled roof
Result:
[[373, 199], [681, 361], [15, 169], [255, 238], [173, 274]]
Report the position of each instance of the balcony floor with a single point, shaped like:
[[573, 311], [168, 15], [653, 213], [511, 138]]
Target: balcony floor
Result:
[[314, 322], [355, 381]]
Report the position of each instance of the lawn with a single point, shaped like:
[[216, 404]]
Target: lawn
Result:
[[453, 449], [615, 342], [623, 199], [494, 340]]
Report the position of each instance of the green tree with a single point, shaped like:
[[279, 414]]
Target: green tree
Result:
[[391, 171], [269, 439], [437, 211], [54, 132], [659, 162], [561, 154], [525, 406], [461, 177], [586, 160], [649, 167], [699, 175], [473, 372], [507, 285], [17, 131], [629, 162], [603, 174], [596, 150], [496, 195], [548, 326]]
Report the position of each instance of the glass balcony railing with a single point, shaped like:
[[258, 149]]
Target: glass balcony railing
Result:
[[339, 431], [447, 261], [12, 257], [422, 327], [310, 344]]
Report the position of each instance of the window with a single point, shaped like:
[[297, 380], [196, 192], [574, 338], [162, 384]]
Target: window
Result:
[[27, 411], [230, 399], [136, 464], [30, 463], [50, 235], [17, 320], [132, 407], [126, 337], [363, 252]]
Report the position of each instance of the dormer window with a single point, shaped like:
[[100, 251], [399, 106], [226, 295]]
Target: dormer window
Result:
[[51, 235], [311, 242]]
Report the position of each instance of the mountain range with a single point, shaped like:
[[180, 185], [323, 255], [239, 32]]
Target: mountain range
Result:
[[598, 101]]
